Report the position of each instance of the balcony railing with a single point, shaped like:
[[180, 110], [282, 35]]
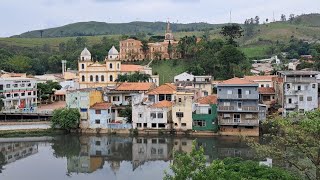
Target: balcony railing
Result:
[[239, 122], [291, 106], [301, 79], [238, 96], [237, 109]]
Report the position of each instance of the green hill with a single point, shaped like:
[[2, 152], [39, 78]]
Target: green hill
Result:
[[312, 20], [93, 28]]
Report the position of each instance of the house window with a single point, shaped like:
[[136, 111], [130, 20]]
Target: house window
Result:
[[161, 125], [226, 103], [22, 85], [102, 78], [209, 111], [248, 92], [153, 115], [110, 65], [82, 66], [115, 98], [145, 125], [236, 118], [154, 125], [8, 95], [161, 97], [82, 78], [288, 86], [179, 114], [15, 85], [300, 98], [23, 94], [309, 98], [289, 100], [168, 97], [29, 93], [183, 124], [180, 100], [83, 110], [111, 78], [140, 115], [160, 115], [15, 95], [199, 123], [139, 125], [299, 88], [91, 78], [7, 85], [118, 66], [98, 111], [226, 116], [97, 78], [98, 143], [262, 85], [301, 110], [97, 121], [229, 92], [313, 86]]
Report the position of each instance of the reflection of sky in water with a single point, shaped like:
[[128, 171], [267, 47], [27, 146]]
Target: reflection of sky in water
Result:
[[44, 165]]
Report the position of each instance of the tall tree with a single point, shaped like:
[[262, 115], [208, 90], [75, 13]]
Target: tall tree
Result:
[[283, 17], [145, 48], [291, 18], [170, 50], [257, 20], [294, 140], [232, 32]]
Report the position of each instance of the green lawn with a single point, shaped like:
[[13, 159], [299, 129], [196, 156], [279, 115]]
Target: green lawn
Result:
[[167, 69], [257, 51]]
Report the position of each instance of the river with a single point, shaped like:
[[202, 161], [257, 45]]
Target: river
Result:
[[73, 157]]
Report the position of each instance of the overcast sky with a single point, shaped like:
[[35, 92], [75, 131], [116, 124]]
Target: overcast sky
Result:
[[18, 16]]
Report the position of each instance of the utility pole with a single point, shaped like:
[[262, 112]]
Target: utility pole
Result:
[[230, 21]]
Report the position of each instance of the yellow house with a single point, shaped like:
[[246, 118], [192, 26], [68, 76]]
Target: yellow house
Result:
[[94, 74], [182, 111]]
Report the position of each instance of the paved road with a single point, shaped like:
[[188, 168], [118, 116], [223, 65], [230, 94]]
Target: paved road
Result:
[[25, 126]]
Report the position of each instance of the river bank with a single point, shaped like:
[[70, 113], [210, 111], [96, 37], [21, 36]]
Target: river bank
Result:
[[31, 132]]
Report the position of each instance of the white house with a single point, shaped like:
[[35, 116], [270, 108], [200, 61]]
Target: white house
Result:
[[184, 77], [100, 115], [155, 116]]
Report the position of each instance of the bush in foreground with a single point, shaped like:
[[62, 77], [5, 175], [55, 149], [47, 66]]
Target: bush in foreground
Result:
[[65, 118]]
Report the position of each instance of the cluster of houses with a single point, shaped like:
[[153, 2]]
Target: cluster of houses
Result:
[[193, 104]]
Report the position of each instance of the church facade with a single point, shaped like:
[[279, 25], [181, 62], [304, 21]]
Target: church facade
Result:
[[130, 49], [93, 74]]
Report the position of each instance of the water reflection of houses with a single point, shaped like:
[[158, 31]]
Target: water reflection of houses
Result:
[[150, 149], [233, 147], [14, 151], [95, 151]]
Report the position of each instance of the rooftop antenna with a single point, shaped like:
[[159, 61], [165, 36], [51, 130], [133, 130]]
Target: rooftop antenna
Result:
[[273, 17], [230, 17]]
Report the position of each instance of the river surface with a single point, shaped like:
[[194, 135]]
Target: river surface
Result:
[[73, 157]]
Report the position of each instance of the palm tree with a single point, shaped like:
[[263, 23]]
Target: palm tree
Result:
[[145, 48]]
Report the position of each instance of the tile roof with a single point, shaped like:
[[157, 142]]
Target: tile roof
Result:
[[259, 78], [237, 81], [135, 86], [266, 90], [130, 68], [211, 99], [162, 104], [101, 106], [164, 89]]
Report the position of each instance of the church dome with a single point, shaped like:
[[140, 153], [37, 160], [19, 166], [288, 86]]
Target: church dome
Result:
[[113, 51], [85, 52]]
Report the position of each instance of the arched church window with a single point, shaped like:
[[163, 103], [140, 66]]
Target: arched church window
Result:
[[83, 78], [97, 78], [110, 65], [91, 78], [82, 58], [82, 66], [111, 78], [102, 78], [118, 66]]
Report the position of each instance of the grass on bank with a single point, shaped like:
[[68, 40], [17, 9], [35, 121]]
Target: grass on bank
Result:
[[31, 133]]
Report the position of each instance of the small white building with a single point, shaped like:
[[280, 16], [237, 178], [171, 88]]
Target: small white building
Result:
[[100, 115], [184, 77], [19, 92], [155, 116]]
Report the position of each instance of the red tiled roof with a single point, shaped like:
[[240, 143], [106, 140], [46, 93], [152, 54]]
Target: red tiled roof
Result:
[[211, 99], [130, 68], [266, 90], [164, 89], [236, 81], [162, 104], [259, 78], [135, 86], [101, 106]]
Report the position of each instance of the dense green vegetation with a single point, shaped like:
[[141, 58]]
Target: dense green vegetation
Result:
[[135, 77], [46, 90], [65, 118], [294, 141], [193, 166]]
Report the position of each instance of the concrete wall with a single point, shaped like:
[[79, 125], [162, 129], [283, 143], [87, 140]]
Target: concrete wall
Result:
[[184, 107], [142, 114], [104, 117]]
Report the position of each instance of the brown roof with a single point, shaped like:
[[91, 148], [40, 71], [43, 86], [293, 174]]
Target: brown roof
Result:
[[237, 80], [162, 104], [211, 99], [101, 106], [259, 78], [164, 89], [130, 68], [135, 86], [266, 90]]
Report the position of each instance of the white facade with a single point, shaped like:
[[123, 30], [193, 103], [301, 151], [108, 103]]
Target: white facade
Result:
[[184, 77], [19, 92], [144, 116]]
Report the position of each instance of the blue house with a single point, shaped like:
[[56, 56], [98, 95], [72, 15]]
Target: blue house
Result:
[[100, 115]]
